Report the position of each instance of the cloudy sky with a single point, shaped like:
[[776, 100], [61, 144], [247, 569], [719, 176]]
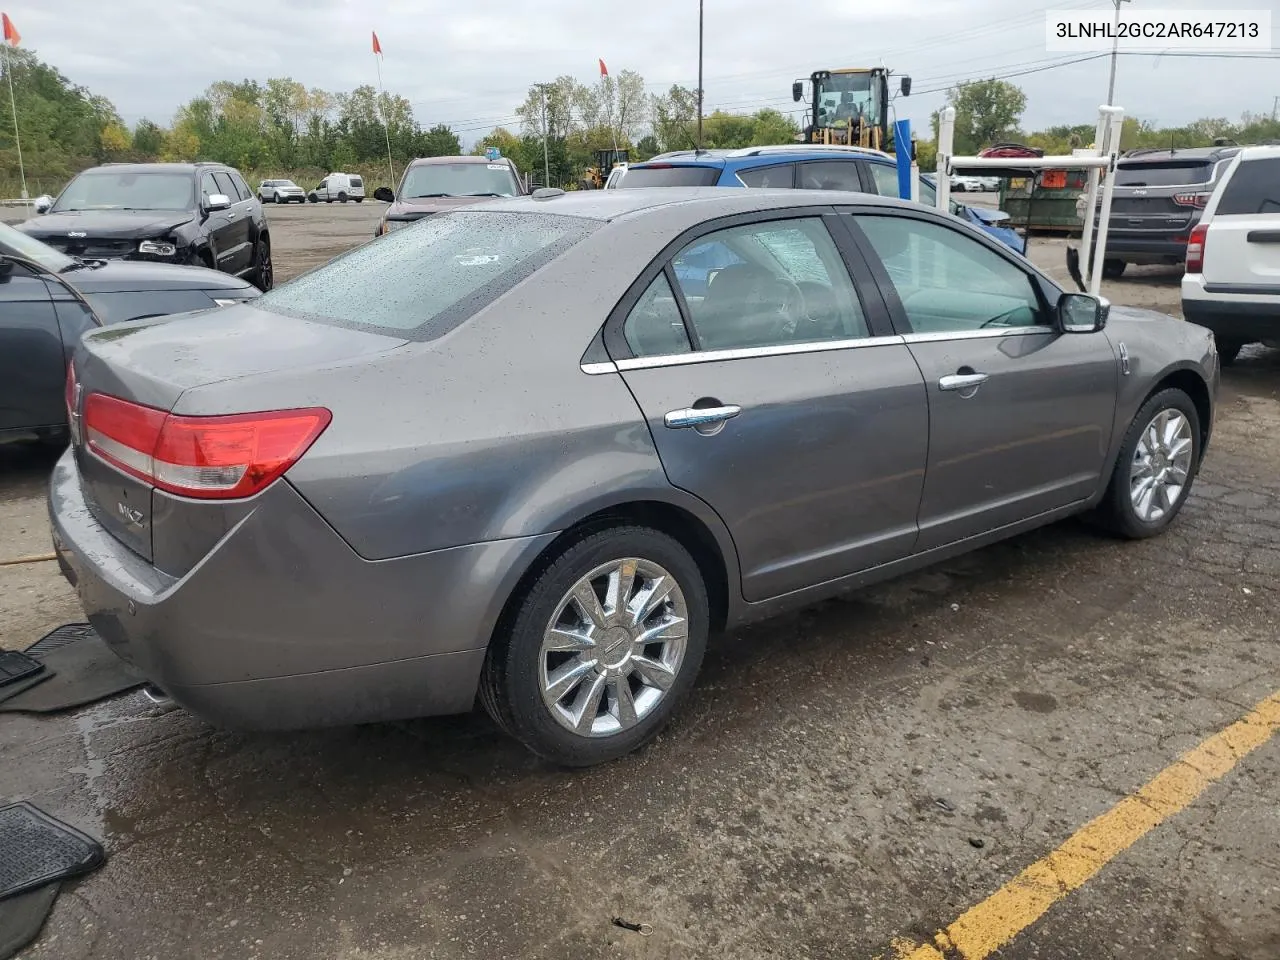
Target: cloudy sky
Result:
[[469, 64]]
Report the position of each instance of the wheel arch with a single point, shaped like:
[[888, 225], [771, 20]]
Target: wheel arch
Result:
[[1186, 378]]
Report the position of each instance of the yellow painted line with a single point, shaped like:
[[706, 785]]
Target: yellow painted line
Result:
[[993, 923]]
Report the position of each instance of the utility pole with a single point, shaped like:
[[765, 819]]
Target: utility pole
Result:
[[1115, 48], [1275, 108], [546, 156], [700, 74]]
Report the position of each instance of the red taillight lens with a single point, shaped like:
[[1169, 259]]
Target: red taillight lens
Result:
[[215, 458], [1195, 248], [1191, 199]]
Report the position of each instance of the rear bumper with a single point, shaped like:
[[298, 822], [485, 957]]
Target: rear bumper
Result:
[[1143, 248], [282, 626], [1245, 318]]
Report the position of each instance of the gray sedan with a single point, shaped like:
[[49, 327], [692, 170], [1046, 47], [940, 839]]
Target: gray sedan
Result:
[[533, 452]]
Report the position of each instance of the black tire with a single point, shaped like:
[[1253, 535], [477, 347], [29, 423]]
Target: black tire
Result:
[[1116, 512], [958, 188], [264, 274], [203, 258], [281, 199], [1113, 269], [342, 197], [509, 685], [358, 199], [260, 198], [328, 199], [1228, 350], [312, 198]]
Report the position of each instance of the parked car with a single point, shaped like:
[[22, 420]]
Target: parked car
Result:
[[989, 183], [499, 454], [1158, 199], [994, 222], [961, 183], [805, 166], [202, 214], [435, 184], [1232, 280], [48, 299], [615, 176], [281, 191], [338, 186]]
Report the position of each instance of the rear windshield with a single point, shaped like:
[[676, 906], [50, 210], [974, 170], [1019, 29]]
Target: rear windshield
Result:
[[1171, 173], [424, 280], [683, 176], [1253, 188]]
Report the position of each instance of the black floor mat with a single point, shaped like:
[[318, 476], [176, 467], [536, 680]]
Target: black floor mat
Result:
[[22, 916], [83, 669], [36, 849]]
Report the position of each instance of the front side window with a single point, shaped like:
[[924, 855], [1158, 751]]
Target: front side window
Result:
[[782, 282], [949, 282], [423, 282], [1253, 188], [777, 176], [226, 186], [207, 187], [126, 190], [459, 180], [830, 175]]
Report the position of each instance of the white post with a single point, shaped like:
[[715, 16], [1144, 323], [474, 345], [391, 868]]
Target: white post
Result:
[[915, 173], [1091, 196], [1111, 149], [17, 142], [946, 147]]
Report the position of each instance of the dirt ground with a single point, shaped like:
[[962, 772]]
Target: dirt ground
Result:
[[862, 771]]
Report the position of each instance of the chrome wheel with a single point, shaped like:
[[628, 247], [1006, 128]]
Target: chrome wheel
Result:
[[613, 647], [1161, 465]]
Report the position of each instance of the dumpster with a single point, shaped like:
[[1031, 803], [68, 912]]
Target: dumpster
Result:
[[1045, 202]]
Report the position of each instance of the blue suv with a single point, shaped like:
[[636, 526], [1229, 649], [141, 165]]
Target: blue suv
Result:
[[804, 167]]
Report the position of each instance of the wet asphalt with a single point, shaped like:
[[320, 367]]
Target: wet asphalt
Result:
[[861, 771]]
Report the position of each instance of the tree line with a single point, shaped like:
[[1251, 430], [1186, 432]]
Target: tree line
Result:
[[280, 127]]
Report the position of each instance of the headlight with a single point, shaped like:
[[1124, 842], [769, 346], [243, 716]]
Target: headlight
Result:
[[159, 248]]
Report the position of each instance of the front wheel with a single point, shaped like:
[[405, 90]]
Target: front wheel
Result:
[[313, 198], [1156, 467], [280, 198], [342, 197], [601, 648]]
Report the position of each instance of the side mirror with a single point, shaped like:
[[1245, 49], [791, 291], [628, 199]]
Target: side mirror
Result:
[[385, 194], [905, 86], [1082, 313], [797, 91], [217, 201], [42, 204], [6, 269]]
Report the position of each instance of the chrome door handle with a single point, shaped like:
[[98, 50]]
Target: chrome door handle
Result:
[[962, 381], [700, 416]]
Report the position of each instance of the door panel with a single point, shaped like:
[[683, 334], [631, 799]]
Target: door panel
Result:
[[818, 476], [237, 246], [1243, 245], [32, 368]]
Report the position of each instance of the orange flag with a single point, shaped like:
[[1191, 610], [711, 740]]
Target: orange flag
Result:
[[11, 35], [377, 47], [604, 71]]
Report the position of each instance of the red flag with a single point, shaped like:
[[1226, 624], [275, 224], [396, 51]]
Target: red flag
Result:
[[377, 47], [604, 71], [11, 35]]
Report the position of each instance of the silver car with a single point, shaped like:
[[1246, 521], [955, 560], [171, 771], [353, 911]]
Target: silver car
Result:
[[280, 191], [535, 451]]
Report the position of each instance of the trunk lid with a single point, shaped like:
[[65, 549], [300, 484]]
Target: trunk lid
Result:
[[153, 363]]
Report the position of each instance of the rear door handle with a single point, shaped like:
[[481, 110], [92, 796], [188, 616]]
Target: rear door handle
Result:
[[700, 416], [1263, 236], [962, 381]]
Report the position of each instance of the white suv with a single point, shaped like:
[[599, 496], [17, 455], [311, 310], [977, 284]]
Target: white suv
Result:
[[1232, 283]]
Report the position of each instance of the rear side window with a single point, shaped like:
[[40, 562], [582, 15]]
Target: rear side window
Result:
[[654, 327], [357, 182], [1164, 174], [886, 180], [422, 282], [779, 175], [684, 176], [241, 186], [1253, 188], [831, 175]]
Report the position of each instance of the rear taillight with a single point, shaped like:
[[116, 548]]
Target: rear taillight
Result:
[[1191, 199], [1195, 248], [70, 395], [212, 458]]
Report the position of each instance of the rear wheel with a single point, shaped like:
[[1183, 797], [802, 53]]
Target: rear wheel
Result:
[[1113, 269], [601, 649], [358, 199], [263, 272], [1156, 467], [260, 198], [1228, 350]]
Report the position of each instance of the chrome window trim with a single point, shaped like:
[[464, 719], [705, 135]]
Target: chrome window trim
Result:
[[990, 332], [747, 353], [598, 368]]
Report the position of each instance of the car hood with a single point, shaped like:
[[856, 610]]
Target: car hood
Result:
[[411, 209], [106, 224], [128, 276], [988, 216], [1120, 312]]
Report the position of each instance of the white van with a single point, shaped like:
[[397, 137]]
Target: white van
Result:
[[338, 186]]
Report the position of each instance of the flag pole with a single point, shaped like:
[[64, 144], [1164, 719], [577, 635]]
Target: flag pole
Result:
[[13, 103], [382, 108]]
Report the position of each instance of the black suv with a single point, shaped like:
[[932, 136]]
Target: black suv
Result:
[[1158, 199], [195, 213]]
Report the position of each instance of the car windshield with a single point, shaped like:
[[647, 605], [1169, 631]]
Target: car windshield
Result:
[[1169, 174], [424, 280], [16, 243], [459, 180], [127, 190], [687, 175]]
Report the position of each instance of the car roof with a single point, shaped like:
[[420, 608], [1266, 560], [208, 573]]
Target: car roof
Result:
[[156, 167], [464, 158], [1159, 154], [748, 157], [708, 202], [1260, 152]]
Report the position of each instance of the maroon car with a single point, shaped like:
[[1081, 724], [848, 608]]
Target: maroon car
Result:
[[435, 184]]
